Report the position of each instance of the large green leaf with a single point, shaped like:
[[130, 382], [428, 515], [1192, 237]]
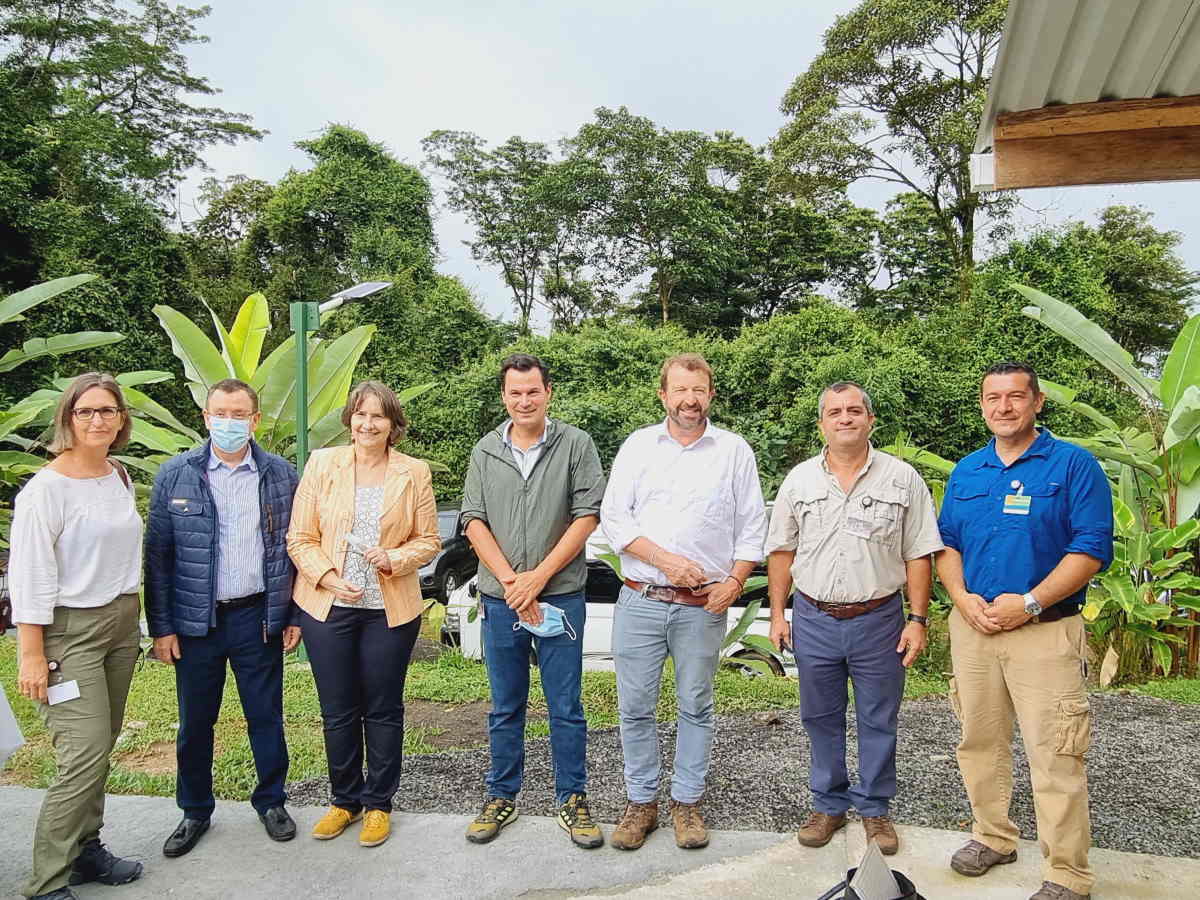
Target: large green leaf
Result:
[[14, 304], [1120, 589], [407, 395], [1179, 536], [202, 362], [1187, 500], [232, 360], [1129, 457], [19, 463], [155, 438], [917, 456], [328, 431], [1124, 518], [1182, 368], [1185, 418], [249, 331], [1089, 337], [35, 348], [1127, 492], [139, 401], [330, 380], [743, 624], [143, 376], [274, 358]]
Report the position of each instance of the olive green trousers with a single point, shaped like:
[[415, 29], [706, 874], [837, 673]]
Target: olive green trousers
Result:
[[97, 648]]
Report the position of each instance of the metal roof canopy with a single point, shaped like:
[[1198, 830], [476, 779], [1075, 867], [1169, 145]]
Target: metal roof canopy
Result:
[[1092, 92]]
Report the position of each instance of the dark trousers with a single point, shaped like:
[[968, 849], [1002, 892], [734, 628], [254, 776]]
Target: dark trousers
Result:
[[863, 649], [359, 665], [506, 654], [200, 682]]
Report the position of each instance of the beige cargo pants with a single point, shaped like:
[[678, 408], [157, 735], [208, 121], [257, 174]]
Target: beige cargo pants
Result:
[[1036, 674], [97, 648]]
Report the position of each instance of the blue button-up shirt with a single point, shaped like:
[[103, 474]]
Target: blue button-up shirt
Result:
[[240, 551], [1069, 511]]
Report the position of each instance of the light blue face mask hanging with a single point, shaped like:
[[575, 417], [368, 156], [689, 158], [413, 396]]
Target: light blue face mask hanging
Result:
[[554, 622]]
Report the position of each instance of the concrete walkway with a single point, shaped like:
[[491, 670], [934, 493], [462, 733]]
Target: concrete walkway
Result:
[[427, 857]]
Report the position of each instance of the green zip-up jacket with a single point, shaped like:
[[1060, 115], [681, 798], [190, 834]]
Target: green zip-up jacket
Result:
[[528, 517]]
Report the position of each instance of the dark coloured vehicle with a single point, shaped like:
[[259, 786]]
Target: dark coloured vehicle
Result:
[[456, 564]]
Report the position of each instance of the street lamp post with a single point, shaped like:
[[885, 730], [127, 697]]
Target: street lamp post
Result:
[[306, 317]]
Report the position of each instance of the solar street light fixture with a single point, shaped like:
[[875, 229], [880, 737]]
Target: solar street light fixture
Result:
[[306, 317]]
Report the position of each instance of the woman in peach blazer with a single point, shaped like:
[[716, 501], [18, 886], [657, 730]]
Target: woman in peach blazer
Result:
[[363, 521]]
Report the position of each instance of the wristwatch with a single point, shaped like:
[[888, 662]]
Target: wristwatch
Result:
[[920, 620], [1032, 607]]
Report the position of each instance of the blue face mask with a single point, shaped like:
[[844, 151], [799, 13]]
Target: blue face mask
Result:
[[554, 622], [230, 435]]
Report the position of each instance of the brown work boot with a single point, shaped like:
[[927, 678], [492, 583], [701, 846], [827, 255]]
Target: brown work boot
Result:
[[638, 820], [881, 830], [690, 831], [1051, 891], [819, 829], [974, 859]]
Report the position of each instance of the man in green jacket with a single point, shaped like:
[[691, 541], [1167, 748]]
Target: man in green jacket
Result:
[[531, 499]]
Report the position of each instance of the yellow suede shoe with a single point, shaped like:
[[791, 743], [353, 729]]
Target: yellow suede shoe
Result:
[[334, 823], [377, 825]]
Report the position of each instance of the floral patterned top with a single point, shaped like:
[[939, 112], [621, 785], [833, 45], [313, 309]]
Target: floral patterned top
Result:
[[368, 506]]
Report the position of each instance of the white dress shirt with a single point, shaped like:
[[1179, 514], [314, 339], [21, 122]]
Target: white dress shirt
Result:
[[702, 501], [75, 542], [525, 459]]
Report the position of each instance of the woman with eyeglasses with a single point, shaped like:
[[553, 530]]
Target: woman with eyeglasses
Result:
[[74, 569], [363, 521]]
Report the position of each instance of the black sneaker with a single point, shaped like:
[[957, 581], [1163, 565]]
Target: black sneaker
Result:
[[575, 818], [95, 863]]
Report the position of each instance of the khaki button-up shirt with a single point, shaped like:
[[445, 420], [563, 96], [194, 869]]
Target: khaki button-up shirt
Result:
[[852, 546]]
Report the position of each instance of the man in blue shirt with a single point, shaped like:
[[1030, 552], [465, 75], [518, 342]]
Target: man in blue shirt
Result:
[[1027, 521]]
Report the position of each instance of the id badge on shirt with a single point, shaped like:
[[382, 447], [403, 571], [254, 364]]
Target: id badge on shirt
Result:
[[860, 528], [1016, 504]]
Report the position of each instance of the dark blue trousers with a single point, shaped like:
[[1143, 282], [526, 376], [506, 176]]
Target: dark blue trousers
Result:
[[506, 654], [828, 652], [359, 666], [200, 683]]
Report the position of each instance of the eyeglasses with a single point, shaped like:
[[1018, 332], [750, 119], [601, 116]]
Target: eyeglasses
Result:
[[86, 413]]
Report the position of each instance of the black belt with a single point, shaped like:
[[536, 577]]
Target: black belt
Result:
[[1053, 614], [241, 602]]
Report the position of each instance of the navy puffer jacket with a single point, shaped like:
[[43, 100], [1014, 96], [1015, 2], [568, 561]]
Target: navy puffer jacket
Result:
[[181, 544]]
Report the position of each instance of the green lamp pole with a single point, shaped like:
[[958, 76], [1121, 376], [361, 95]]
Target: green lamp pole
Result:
[[306, 317]]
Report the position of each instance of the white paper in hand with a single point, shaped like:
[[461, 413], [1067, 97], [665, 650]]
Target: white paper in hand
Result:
[[874, 879]]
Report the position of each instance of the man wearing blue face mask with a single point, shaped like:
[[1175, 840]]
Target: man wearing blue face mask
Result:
[[531, 499], [219, 590]]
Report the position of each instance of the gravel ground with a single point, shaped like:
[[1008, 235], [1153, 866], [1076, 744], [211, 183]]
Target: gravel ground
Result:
[[1144, 773]]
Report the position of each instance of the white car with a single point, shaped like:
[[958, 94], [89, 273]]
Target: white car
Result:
[[603, 585]]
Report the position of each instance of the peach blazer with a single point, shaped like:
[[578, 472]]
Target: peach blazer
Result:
[[323, 514]]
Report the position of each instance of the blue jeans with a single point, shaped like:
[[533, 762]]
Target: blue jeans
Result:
[[506, 654], [644, 633], [199, 683], [863, 649]]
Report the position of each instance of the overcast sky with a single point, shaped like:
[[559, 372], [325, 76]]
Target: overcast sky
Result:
[[399, 70]]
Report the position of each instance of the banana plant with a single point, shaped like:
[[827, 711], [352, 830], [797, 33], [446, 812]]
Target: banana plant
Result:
[[236, 354], [12, 307], [1154, 468]]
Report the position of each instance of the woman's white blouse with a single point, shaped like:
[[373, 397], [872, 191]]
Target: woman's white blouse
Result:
[[75, 542]]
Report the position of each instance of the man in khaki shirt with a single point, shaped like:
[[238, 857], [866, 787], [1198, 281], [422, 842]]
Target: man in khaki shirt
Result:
[[851, 526]]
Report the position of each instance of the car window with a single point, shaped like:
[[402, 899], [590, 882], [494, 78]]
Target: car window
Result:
[[447, 524]]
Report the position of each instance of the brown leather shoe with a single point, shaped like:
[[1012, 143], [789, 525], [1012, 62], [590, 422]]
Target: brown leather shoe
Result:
[[638, 820], [974, 859], [819, 829], [1051, 891], [690, 831], [881, 830]]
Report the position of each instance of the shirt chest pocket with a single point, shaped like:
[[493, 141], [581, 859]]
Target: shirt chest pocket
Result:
[[810, 506], [884, 508], [1039, 510]]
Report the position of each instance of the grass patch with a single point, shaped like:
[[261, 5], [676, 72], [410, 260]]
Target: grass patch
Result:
[[1180, 690], [151, 717]]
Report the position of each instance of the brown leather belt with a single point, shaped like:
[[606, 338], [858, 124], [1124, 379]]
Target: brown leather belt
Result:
[[1052, 614], [665, 593], [848, 610]]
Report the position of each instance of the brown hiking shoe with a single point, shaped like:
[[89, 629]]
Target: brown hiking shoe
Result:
[[819, 829], [690, 831], [973, 859], [638, 820], [1051, 891], [880, 830]]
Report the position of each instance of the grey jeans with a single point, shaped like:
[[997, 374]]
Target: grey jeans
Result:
[[645, 632]]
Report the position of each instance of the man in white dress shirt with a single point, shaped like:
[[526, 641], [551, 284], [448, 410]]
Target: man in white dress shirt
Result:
[[684, 509]]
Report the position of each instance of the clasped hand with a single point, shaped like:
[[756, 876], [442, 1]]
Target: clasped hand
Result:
[[1004, 613], [521, 592]]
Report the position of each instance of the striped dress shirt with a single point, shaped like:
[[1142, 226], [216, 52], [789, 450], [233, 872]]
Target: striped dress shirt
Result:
[[240, 551]]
